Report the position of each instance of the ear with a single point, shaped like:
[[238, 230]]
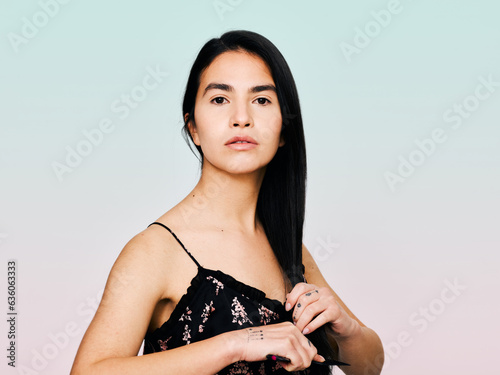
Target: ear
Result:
[[192, 130], [282, 140]]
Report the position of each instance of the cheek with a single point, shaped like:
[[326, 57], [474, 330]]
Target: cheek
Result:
[[272, 132], [204, 135], [207, 138]]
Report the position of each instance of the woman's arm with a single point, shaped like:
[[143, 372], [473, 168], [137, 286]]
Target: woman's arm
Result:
[[135, 284], [356, 344], [204, 357]]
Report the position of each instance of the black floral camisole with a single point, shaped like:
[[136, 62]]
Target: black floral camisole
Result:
[[215, 303]]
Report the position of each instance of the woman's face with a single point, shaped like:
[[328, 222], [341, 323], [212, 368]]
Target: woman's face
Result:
[[237, 98]]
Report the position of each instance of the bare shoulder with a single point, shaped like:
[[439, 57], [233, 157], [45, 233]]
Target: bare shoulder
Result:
[[314, 276], [145, 253], [152, 255], [136, 282]]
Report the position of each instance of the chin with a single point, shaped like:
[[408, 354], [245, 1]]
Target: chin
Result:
[[239, 167], [243, 171]]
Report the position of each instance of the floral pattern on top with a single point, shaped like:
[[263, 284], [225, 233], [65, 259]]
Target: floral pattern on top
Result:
[[239, 368], [239, 314], [204, 312], [186, 315], [163, 344], [266, 315], [187, 334], [219, 285], [207, 311]]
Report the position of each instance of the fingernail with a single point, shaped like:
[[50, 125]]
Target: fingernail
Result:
[[288, 306], [305, 331], [322, 358]]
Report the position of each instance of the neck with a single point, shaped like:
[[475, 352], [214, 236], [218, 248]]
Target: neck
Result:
[[226, 201]]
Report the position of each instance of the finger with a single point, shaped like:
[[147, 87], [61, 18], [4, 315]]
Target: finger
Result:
[[298, 348], [308, 314], [319, 358], [297, 355], [305, 351], [330, 314], [297, 291], [303, 302], [318, 321], [311, 352], [291, 298]]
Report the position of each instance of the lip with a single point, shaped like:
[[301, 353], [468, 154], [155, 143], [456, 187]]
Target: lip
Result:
[[250, 140], [248, 143]]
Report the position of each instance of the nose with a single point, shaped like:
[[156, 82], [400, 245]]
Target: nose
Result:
[[241, 115]]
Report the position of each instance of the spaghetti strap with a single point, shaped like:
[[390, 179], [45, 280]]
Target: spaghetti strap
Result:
[[173, 234]]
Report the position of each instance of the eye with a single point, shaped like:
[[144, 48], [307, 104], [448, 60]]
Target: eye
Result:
[[263, 101], [218, 100]]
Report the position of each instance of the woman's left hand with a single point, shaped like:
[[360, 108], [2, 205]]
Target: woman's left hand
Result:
[[315, 306]]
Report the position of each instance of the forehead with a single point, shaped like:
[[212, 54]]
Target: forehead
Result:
[[237, 68]]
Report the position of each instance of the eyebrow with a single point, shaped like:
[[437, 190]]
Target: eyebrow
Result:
[[229, 88]]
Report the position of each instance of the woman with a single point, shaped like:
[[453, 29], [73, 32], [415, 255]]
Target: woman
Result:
[[222, 280]]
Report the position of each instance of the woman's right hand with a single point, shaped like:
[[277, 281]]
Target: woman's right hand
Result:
[[282, 339]]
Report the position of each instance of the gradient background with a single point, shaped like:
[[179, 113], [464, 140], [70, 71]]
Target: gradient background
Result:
[[388, 254]]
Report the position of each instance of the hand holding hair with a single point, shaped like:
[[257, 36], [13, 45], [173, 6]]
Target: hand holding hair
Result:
[[314, 307]]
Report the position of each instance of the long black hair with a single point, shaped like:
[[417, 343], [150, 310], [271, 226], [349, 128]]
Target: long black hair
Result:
[[281, 201]]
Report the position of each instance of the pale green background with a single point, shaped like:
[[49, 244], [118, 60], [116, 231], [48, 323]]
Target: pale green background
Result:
[[390, 252]]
